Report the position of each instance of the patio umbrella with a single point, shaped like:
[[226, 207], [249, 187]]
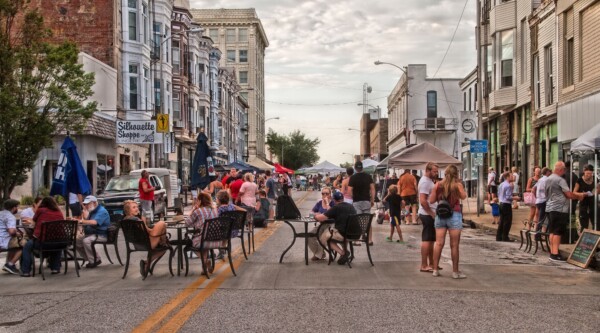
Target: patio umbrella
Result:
[[70, 175], [202, 167]]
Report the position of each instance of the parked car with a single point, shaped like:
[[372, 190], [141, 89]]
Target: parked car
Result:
[[125, 187]]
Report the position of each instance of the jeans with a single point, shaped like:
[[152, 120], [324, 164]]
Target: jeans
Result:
[[27, 256], [505, 222]]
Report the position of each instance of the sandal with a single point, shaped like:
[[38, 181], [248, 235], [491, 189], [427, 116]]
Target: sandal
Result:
[[388, 239], [426, 270]]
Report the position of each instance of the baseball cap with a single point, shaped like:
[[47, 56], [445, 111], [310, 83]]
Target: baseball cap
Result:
[[89, 198], [337, 196], [358, 165]]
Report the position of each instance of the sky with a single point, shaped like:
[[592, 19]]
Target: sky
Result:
[[322, 52]]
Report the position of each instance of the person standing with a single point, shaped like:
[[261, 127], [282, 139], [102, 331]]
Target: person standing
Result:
[[363, 193], [558, 194], [491, 184], [407, 187], [395, 202], [516, 186], [346, 190], [540, 202], [96, 221], [586, 184], [531, 182], [427, 216], [505, 197], [11, 239], [451, 190], [75, 205], [235, 186], [146, 195], [271, 191]]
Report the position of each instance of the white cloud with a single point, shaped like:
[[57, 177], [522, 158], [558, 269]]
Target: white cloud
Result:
[[321, 52]]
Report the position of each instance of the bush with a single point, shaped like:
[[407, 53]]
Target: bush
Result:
[[43, 191], [27, 200], [59, 200]]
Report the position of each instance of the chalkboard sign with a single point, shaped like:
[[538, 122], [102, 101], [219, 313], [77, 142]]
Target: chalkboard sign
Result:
[[585, 248]]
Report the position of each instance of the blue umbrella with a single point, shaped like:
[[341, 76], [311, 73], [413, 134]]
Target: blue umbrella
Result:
[[70, 175], [202, 167]]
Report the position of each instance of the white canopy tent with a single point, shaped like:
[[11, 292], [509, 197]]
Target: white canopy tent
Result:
[[325, 167], [416, 157], [587, 144]]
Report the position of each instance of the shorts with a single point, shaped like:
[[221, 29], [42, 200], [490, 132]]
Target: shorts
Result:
[[453, 222], [362, 207], [146, 205], [395, 220], [492, 189], [410, 199], [428, 234], [17, 242], [496, 215], [75, 209], [557, 223]]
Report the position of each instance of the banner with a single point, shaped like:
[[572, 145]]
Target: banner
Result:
[[138, 132], [169, 142]]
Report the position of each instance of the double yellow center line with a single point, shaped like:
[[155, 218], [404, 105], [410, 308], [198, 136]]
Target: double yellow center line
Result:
[[166, 319]]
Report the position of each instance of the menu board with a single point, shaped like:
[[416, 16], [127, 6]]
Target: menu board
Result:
[[585, 248]]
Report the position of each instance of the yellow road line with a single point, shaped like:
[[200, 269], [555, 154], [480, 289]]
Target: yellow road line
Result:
[[161, 314]]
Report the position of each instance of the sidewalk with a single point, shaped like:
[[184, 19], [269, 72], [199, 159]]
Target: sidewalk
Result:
[[484, 221]]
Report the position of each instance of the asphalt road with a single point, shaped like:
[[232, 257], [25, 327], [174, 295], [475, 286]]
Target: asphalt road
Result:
[[506, 291]]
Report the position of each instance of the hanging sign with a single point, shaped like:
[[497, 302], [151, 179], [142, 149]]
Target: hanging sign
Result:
[[138, 132]]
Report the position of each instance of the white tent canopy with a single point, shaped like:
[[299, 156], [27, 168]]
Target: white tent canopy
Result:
[[369, 163], [586, 143], [325, 167], [417, 157]]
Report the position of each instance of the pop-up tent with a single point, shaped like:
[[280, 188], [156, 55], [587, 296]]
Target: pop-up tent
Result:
[[324, 167], [587, 144], [417, 157], [281, 169], [258, 163]]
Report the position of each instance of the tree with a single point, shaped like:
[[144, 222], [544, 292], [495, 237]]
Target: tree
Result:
[[297, 149], [42, 91]]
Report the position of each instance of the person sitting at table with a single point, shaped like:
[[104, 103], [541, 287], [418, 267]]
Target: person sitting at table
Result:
[[11, 239], [340, 213], [47, 211], [224, 204], [262, 208], [96, 221], [203, 210], [29, 212], [158, 233], [320, 207]]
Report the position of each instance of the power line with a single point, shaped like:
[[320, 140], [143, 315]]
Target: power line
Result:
[[292, 77], [452, 39], [324, 104]]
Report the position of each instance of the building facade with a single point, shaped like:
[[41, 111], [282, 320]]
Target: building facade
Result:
[[424, 109], [240, 36]]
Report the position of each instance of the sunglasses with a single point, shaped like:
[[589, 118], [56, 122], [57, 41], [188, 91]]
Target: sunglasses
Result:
[[325, 193]]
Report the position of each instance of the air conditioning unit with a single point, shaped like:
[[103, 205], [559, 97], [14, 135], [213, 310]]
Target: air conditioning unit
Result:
[[440, 123], [178, 123]]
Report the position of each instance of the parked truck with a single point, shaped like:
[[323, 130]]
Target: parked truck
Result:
[[125, 187]]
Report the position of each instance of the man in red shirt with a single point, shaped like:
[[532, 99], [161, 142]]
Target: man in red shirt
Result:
[[234, 187], [146, 194], [232, 174]]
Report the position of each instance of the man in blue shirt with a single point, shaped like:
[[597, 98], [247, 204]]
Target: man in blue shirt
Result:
[[505, 196], [96, 221]]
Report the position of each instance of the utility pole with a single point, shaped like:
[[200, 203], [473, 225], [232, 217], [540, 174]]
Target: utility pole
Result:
[[480, 188]]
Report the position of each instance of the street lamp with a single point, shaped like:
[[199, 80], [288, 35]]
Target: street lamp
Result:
[[354, 129], [405, 71], [276, 118]]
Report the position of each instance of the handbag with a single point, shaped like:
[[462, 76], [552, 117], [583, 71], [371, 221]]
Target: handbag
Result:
[[529, 198]]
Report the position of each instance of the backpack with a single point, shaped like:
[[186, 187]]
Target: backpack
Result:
[[443, 210], [286, 208]]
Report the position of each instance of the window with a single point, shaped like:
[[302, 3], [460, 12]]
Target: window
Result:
[[230, 55], [145, 14], [243, 77], [214, 34], [176, 106], [230, 35], [146, 87], [243, 55], [201, 77], [536, 81], [548, 76], [133, 25], [176, 58], [506, 58], [523, 59], [242, 35], [156, 28], [465, 100], [488, 77], [133, 86], [167, 53], [569, 50], [469, 99], [244, 94], [157, 93], [431, 108]]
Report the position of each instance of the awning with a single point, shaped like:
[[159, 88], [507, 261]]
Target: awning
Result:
[[259, 163]]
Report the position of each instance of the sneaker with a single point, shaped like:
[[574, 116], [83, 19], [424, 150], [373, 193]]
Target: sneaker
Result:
[[12, 269], [458, 275], [143, 271], [556, 257], [436, 273], [93, 265], [343, 259]]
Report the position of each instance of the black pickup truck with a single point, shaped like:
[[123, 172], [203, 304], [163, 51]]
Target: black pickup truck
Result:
[[125, 187]]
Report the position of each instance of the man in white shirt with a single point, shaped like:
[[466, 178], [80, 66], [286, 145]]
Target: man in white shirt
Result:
[[10, 238], [540, 200], [427, 216], [491, 184]]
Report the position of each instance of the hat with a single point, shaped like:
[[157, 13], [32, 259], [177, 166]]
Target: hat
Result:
[[89, 198], [337, 196], [10, 204], [358, 165]]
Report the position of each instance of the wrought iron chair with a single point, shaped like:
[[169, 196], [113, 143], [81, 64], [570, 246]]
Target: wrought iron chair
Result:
[[56, 236], [112, 238], [213, 230], [137, 239], [238, 227], [358, 227]]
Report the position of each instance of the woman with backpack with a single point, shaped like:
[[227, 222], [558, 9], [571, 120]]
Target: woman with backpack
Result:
[[447, 194]]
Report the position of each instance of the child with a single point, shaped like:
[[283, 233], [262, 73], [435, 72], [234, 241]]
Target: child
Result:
[[395, 204], [495, 210]]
